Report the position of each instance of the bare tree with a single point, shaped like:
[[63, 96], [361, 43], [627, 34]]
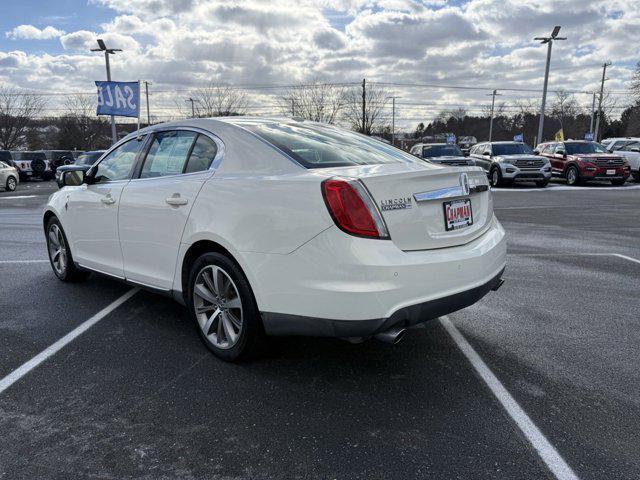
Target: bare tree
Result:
[[319, 102], [565, 107], [375, 101], [635, 84], [79, 128], [17, 111], [215, 100]]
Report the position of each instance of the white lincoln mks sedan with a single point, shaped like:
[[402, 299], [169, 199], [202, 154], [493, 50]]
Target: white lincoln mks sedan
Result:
[[279, 227]]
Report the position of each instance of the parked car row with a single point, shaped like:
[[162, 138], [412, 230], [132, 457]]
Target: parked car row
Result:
[[576, 161], [44, 164]]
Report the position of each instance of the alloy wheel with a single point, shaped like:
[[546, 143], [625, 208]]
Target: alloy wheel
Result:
[[218, 307], [571, 176], [11, 184], [57, 249], [494, 178]]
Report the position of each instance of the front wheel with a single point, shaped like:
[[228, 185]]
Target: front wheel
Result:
[[11, 184], [573, 176], [223, 307], [619, 181], [60, 254], [495, 178]]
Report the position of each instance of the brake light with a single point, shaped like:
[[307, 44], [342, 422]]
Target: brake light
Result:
[[353, 209]]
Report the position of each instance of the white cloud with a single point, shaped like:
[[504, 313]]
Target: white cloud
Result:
[[29, 32]]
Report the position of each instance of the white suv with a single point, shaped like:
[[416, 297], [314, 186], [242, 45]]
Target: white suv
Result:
[[629, 148], [280, 227]]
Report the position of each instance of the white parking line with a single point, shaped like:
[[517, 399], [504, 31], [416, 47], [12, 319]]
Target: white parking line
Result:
[[578, 254], [51, 350], [21, 196], [5, 262], [546, 451]]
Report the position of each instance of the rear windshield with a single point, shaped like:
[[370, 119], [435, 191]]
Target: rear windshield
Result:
[[320, 146], [431, 151], [29, 155], [510, 149], [584, 147]]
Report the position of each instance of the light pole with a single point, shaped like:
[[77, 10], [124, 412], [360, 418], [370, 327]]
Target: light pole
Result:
[[107, 52], [593, 108], [193, 109], [393, 120], [604, 72], [549, 41], [146, 91], [493, 103]]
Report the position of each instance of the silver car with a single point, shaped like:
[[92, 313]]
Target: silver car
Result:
[[8, 177], [443, 153]]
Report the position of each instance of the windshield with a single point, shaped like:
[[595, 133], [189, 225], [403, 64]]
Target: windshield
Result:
[[322, 146], [584, 147], [431, 151], [511, 149], [88, 158]]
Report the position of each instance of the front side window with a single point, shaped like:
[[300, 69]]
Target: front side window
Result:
[[322, 146], [548, 149], [168, 154], [576, 148], [119, 163], [3, 165], [511, 149], [630, 146], [202, 155]]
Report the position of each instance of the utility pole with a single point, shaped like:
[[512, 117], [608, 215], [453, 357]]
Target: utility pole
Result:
[[364, 105], [146, 92], [549, 41], [593, 108], [193, 110], [293, 107], [107, 52], [596, 134], [493, 103]]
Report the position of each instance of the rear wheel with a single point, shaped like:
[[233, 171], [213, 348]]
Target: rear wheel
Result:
[[619, 181], [573, 176], [223, 307], [60, 254], [11, 184]]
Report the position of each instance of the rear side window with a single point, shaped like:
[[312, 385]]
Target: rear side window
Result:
[[168, 154], [322, 146], [202, 155]]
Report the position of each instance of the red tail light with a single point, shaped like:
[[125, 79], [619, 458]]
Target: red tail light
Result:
[[353, 209]]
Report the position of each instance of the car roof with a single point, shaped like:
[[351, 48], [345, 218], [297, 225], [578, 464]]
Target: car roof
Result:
[[505, 142]]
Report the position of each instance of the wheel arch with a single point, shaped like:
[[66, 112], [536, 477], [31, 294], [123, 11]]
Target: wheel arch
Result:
[[200, 247]]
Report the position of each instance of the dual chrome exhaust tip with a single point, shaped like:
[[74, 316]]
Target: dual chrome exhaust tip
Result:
[[393, 335]]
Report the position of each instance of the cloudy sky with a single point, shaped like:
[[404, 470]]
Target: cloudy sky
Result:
[[183, 44]]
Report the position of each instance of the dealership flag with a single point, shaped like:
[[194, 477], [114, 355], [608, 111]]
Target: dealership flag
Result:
[[560, 136], [118, 98]]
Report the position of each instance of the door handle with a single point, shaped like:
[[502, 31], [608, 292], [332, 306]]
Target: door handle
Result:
[[176, 201], [108, 199]]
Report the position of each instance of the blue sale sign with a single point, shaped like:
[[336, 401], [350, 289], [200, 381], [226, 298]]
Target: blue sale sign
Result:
[[588, 137], [518, 138], [451, 139], [118, 98]]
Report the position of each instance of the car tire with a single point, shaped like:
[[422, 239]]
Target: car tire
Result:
[[60, 254], [619, 182], [11, 184], [542, 183], [636, 176], [224, 310], [495, 178], [573, 176]]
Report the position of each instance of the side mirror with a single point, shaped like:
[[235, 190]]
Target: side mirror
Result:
[[72, 177], [635, 149], [561, 152], [536, 152], [466, 153], [486, 153]]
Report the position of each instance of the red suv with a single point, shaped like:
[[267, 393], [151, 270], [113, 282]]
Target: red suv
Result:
[[579, 161]]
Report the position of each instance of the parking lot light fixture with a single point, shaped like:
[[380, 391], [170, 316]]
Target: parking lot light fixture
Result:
[[107, 52], [549, 41]]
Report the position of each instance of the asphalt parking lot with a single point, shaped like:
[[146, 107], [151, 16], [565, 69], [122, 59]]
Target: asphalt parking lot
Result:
[[138, 396]]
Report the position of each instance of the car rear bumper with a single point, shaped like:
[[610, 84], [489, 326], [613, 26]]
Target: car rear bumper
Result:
[[337, 285]]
